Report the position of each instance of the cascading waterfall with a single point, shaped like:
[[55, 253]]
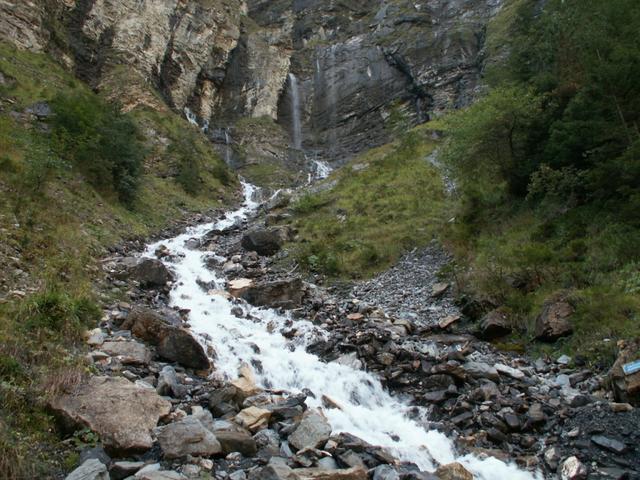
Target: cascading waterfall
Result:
[[191, 117], [227, 147], [294, 93], [366, 410]]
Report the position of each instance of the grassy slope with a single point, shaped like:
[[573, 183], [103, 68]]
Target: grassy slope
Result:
[[52, 237], [385, 202]]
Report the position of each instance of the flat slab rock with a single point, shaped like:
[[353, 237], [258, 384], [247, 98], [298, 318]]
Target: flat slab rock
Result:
[[122, 413]]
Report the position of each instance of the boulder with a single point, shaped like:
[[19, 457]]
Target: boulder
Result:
[[285, 293], [356, 473], [313, 431], [626, 387], [573, 469], [253, 418], [274, 471], [264, 241], [92, 469], [151, 273], [453, 471], [168, 383], [495, 324], [481, 370], [122, 413], [123, 469], [172, 343], [553, 321], [245, 384], [237, 442], [187, 437], [129, 352]]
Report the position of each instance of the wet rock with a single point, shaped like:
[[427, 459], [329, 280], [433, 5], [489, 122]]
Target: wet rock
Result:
[[128, 353], [610, 444], [453, 471], [245, 384], [551, 458], [119, 411], [237, 442], [172, 343], [385, 472], [573, 469], [264, 241], [151, 273], [285, 293], [495, 324], [92, 469], [553, 322], [187, 437], [312, 431]]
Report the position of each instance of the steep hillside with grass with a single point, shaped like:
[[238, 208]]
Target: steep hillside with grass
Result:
[[76, 176]]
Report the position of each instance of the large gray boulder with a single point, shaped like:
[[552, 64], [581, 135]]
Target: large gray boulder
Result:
[[151, 273], [312, 432], [92, 469], [264, 241], [285, 293], [172, 343], [122, 413], [187, 437], [553, 322], [128, 352]]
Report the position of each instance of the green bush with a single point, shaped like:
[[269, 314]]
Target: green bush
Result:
[[102, 142]]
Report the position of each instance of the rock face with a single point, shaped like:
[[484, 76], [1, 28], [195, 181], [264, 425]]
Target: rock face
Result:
[[553, 321], [188, 437], [172, 343], [122, 413]]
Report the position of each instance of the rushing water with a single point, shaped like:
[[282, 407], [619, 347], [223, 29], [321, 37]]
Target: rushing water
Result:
[[296, 124], [366, 409]]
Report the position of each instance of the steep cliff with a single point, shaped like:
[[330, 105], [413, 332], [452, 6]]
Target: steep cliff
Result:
[[364, 70]]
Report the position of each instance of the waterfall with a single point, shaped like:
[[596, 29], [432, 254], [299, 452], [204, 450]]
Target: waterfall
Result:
[[366, 409], [191, 117], [295, 111], [332, 100], [227, 147]]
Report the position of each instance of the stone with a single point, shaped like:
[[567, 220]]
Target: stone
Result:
[[116, 409], [274, 471], [123, 469], [160, 475], [172, 343], [237, 442], [553, 322], [285, 293], [92, 469], [453, 471], [245, 384], [187, 437], [96, 337], [495, 324], [610, 444], [438, 289], [356, 473], [620, 407], [312, 431], [264, 241], [385, 472], [573, 469], [448, 321], [626, 387], [481, 370], [128, 353], [552, 457], [253, 418], [150, 273], [564, 360], [168, 383], [535, 415], [510, 371]]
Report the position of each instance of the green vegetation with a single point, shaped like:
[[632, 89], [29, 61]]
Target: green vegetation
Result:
[[385, 202], [547, 168], [70, 185]]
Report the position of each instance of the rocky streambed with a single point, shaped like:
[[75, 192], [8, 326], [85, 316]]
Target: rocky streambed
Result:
[[223, 365]]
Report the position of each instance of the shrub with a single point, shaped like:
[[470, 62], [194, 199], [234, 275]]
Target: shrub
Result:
[[102, 142]]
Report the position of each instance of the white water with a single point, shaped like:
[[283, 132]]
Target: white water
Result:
[[227, 147], [367, 411], [191, 117], [321, 169], [296, 124]]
